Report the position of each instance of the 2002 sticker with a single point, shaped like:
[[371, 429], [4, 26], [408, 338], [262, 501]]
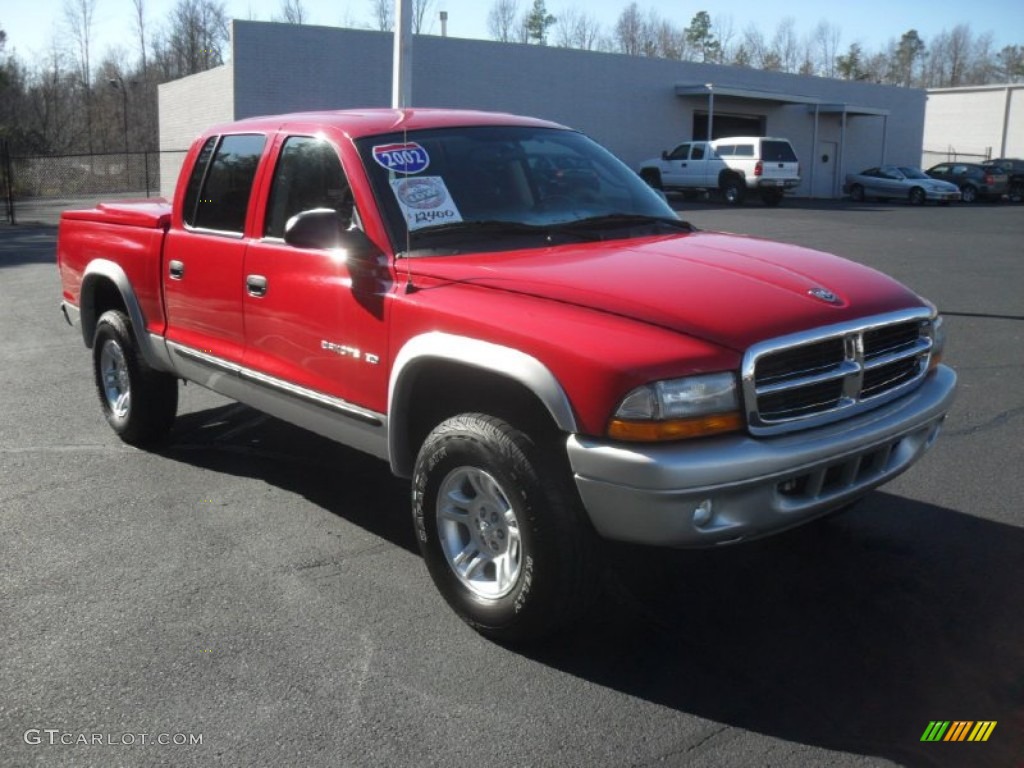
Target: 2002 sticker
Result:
[[402, 158]]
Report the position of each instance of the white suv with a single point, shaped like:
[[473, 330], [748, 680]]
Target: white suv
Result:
[[731, 166]]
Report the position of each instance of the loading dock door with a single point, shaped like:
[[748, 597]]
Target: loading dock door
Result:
[[727, 125]]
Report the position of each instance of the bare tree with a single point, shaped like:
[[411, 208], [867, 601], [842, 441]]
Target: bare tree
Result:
[[422, 18], [382, 13], [576, 29], [293, 12], [198, 32], [786, 46], [140, 27], [826, 42], [78, 15], [503, 21], [725, 29], [630, 31]]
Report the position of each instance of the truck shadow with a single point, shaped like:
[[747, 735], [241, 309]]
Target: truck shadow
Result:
[[28, 245], [849, 634]]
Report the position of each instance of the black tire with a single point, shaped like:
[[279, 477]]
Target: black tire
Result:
[[652, 176], [732, 190], [969, 194], [857, 193], [139, 403], [544, 571], [916, 196], [771, 197]]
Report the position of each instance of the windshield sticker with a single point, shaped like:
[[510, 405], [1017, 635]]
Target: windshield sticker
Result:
[[402, 158], [425, 201]]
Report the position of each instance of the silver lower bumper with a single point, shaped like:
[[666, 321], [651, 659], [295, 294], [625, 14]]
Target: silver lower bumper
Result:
[[731, 488]]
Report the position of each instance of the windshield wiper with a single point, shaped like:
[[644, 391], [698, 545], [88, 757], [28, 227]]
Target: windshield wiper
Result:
[[627, 220], [498, 227]]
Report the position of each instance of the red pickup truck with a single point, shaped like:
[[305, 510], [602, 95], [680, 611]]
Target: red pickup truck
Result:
[[510, 317]]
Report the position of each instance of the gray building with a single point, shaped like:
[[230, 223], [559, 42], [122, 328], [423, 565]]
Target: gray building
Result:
[[974, 123], [635, 106]]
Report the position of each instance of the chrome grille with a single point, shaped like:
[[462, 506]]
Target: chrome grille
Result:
[[831, 373]]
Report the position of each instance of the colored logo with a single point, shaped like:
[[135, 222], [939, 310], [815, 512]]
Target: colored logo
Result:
[[422, 193], [402, 158], [958, 730]]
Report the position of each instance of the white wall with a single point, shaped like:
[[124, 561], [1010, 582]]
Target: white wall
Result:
[[973, 123]]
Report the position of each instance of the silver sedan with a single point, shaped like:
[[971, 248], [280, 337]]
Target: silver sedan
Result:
[[899, 182]]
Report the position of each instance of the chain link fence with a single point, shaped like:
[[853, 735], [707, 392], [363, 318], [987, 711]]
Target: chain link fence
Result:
[[930, 157], [37, 187]]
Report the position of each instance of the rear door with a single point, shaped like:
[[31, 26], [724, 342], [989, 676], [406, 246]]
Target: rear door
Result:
[[204, 252]]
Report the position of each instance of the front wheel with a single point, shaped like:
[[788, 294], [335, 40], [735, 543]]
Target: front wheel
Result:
[[969, 194], [917, 196], [652, 176], [501, 530], [139, 403], [857, 193]]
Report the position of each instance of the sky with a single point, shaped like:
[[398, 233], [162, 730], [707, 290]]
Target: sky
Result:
[[33, 25]]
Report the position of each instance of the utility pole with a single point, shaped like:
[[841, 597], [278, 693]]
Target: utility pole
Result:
[[401, 75]]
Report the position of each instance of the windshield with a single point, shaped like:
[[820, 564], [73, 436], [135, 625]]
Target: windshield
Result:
[[913, 173], [453, 190]]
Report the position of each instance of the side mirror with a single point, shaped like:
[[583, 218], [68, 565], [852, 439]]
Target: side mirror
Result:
[[664, 154], [322, 228]]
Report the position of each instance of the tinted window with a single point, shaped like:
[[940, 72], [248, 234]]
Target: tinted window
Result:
[[698, 152], [680, 153], [195, 181], [940, 169], [228, 184], [745, 150], [777, 151], [308, 175], [726, 150]]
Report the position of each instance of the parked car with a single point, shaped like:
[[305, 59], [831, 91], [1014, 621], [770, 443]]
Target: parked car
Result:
[[899, 182], [1014, 168], [548, 359], [975, 180], [730, 166]]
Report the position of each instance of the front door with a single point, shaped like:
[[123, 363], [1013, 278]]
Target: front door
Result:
[[311, 319]]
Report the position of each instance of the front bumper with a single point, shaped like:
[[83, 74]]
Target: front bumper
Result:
[[736, 487]]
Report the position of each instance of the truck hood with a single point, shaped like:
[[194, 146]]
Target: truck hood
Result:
[[730, 290]]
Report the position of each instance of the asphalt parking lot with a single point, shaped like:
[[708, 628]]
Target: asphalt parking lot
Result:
[[259, 588]]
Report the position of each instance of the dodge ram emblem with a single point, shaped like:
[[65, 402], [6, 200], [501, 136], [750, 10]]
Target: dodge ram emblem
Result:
[[824, 295]]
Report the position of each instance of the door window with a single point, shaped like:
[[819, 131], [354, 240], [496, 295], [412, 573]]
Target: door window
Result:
[[308, 175], [227, 184]]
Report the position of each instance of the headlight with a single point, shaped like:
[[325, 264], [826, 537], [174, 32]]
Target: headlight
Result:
[[938, 334], [678, 408]]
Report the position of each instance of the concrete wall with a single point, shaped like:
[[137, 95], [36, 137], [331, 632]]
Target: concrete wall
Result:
[[974, 122], [626, 103], [186, 107]]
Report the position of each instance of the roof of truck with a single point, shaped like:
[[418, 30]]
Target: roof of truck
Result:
[[367, 122]]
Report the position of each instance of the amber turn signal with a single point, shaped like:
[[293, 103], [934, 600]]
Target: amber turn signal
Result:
[[674, 429]]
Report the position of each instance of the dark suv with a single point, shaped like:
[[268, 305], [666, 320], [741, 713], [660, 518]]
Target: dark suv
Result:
[[1014, 168], [973, 179]]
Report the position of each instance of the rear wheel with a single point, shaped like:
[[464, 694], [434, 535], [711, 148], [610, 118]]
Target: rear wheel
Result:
[[771, 197], [916, 196], [502, 531], [652, 176], [139, 403]]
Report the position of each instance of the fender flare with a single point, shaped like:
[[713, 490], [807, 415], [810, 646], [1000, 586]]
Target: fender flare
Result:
[[505, 361], [104, 269]]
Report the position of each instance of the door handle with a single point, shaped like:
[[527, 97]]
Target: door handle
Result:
[[256, 285], [176, 269]]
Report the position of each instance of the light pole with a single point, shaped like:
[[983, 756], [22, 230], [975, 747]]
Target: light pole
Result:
[[118, 83]]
